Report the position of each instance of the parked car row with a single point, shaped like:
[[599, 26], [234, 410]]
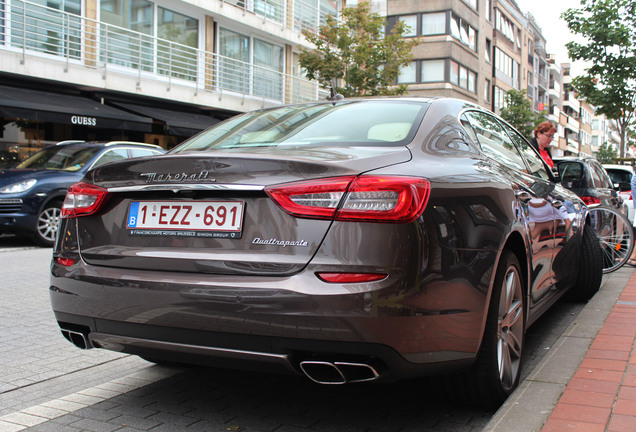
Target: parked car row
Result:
[[32, 193], [348, 241], [586, 177]]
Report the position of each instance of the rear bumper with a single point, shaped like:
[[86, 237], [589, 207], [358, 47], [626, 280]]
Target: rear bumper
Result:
[[271, 323], [249, 352]]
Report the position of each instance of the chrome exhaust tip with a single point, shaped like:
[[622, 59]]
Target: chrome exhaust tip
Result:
[[78, 339], [330, 373]]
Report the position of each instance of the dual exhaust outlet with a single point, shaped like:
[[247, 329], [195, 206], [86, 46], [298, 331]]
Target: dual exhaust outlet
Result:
[[321, 372], [324, 372]]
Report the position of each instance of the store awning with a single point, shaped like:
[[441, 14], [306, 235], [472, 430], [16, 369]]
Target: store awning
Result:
[[180, 123], [63, 108]]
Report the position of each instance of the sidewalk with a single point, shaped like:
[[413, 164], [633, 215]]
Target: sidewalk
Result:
[[588, 381]]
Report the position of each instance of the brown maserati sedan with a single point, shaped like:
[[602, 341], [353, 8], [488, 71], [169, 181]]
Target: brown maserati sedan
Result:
[[348, 241]]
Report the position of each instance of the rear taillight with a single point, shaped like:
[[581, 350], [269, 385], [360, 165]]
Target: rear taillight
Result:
[[588, 200], [66, 262], [83, 199], [364, 198]]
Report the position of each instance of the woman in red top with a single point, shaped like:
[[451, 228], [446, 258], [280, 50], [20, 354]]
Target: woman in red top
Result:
[[543, 135]]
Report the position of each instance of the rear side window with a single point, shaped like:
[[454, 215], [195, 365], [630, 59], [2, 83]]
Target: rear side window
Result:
[[111, 155], [572, 174], [536, 165], [136, 152], [601, 179], [494, 141]]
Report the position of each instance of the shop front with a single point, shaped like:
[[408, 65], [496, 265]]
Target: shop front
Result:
[[33, 117]]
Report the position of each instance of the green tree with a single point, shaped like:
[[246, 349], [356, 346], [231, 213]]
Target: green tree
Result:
[[519, 113], [609, 30], [355, 56], [606, 154]]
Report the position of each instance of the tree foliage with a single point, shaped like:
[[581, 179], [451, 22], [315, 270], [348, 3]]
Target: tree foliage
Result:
[[355, 56], [519, 113], [609, 30], [606, 154]]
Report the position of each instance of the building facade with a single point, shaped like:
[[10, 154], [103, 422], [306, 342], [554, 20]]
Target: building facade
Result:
[[478, 50], [156, 71], [159, 71]]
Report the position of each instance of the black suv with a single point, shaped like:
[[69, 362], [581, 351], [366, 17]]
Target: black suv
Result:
[[586, 177], [31, 194]]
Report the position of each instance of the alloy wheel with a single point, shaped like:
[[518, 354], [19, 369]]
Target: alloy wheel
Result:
[[48, 223], [510, 329]]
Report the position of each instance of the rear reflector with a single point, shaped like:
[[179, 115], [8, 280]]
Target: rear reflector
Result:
[[83, 199], [350, 277], [365, 198]]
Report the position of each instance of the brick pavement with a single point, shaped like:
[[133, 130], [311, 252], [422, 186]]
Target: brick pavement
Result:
[[602, 394]]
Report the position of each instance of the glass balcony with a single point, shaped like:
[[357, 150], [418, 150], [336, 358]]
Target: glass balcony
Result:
[[36, 30]]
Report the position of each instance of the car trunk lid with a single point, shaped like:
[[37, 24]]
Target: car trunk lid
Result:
[[234, 226]]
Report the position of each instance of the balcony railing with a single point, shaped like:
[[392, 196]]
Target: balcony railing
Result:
[[298, 15], [37, 30]]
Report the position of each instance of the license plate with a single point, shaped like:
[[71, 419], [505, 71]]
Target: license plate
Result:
[[194, 216]]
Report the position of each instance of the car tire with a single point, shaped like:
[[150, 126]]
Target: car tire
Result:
[[496, 372], [47, 224], [590, 274]]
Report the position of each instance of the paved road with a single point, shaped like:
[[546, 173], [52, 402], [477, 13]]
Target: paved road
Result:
[[46, 384]]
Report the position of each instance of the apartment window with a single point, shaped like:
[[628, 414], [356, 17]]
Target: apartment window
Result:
[[489, 10], [178, 59], [487, 90], [125, 46], [272, 9], [506, 65], [410, 22], [433, 70], [504, 25], [500, 98], [268, 68], [136, 15], [234, 49], [434, 23], [309, 14], [488, 53], [50, 31], [438, 71], [463, 77], [408, 73], [471, 3], [247, 64], [465, 33]]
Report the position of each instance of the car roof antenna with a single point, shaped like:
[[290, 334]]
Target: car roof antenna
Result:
[[334, 96]]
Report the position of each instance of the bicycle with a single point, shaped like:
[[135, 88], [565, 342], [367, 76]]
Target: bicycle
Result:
[[616, 236]]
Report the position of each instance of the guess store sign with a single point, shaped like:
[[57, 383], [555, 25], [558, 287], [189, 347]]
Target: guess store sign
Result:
[[83, 121]]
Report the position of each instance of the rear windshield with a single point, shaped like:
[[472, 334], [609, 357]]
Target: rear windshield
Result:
[[360, 123]]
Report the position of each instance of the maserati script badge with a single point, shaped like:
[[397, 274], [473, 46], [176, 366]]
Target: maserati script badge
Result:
[[153, 177]]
